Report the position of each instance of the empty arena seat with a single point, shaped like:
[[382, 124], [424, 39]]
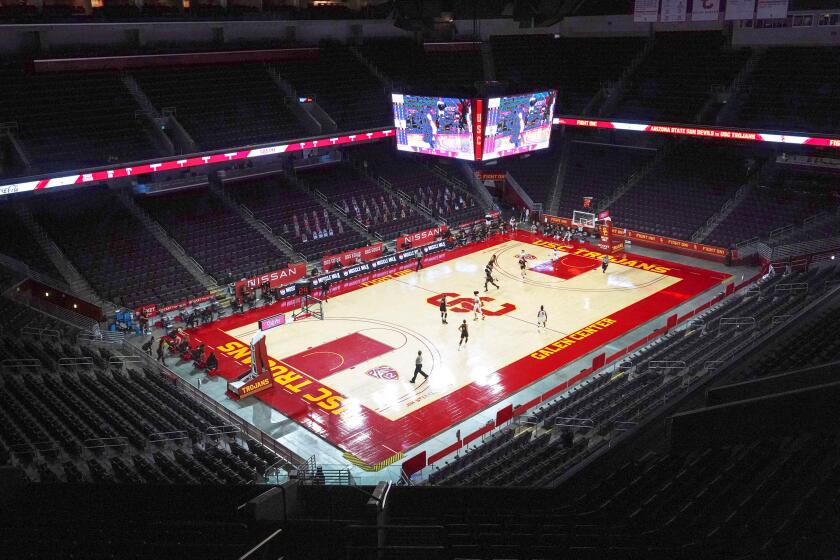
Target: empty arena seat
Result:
[[342, 86], [578, 68], [296, 216], [219, 239], [73, 120], [597, 170], [677, 76], [118, 256], [684, 187], [363, 200], [223, 106], [410, 176]]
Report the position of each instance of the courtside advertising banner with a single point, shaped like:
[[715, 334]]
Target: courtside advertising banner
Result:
[[646, 11], [705, 10], [353, 256], [420, 238], [274, 279]]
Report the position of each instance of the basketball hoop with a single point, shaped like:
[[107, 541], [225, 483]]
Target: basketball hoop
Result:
[[583, 219]]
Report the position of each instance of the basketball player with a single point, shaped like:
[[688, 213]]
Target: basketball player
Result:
[[477, 310], [443, 311], [493, 263], [542, 317], [488, 276], [465, 334], [555, 255], [522, 263], [605, 262], [418, 367], [325, 291]]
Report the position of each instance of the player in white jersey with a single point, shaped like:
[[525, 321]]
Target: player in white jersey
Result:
[[523, 263], [555, 255], [477, 310], [542, 317]]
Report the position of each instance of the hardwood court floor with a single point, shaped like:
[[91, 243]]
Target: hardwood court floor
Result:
[[346, 378]]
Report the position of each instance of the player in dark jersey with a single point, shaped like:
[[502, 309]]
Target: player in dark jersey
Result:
[[465, 334], [488, 276], [443, 311]]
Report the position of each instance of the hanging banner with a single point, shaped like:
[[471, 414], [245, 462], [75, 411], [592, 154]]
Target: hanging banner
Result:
[[771, 9], [646, 11], [705, 10], [740, 9], [673, 10]]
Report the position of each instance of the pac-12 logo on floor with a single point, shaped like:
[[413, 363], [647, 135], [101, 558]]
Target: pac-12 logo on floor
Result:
[[384, 372], [458, 304]]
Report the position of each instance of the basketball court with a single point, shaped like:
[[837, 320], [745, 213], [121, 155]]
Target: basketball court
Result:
[[346, 378]]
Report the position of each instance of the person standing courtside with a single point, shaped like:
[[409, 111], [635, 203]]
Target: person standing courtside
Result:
[[418, 367]]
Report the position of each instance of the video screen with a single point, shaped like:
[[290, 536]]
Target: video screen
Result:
[[518, 124], [440, 126]]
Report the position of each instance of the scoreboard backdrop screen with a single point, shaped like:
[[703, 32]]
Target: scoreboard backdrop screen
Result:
[[518, 123], [440, 126]]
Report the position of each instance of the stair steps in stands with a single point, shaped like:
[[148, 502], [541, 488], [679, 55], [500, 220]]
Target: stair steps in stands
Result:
[[73, 277], [733, 95], [487, 62], [157, 117], [615, 91], [190, 264], [387, 84], [332, 209], [715, 219], [559, 177], [636, 177], [217, 188], [307, 115]]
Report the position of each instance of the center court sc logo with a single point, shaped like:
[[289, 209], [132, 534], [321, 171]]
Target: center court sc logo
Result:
[[458, 304]]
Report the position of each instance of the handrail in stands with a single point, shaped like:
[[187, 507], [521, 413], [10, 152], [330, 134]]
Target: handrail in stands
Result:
[[122, 360], [736, 322], [74, 362], [177, 435], [573, 422], [35, 331], [15, 363], [253, 552], [222, 429], [105, 442], [666, 364]]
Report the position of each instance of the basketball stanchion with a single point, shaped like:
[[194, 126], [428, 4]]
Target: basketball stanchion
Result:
[[310, 306]]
